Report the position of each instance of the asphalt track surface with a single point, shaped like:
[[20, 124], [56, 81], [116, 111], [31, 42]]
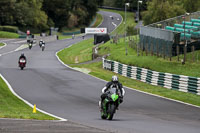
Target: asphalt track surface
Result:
[[74, 95]]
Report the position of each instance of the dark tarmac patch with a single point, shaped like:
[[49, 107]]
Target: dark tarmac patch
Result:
[[39, 126]]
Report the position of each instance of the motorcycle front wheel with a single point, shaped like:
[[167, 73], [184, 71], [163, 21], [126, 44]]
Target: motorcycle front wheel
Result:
[[111, 111]]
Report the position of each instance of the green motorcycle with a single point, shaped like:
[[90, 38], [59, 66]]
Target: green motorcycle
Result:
[[109, 104]]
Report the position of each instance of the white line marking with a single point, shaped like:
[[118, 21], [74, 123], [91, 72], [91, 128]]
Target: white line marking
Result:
[[32, 106], [126, 86], [5, 40], [114, 24], [28, 119]]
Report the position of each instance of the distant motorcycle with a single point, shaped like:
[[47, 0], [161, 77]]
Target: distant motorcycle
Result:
[[30, 45], [109, 104], [43, 46], [22, 63], [40, 43]]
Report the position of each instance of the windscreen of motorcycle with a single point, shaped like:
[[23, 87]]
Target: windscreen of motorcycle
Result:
[[22, 60]]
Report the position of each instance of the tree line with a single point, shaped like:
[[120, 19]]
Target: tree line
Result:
[[42, 14], [157, 10]]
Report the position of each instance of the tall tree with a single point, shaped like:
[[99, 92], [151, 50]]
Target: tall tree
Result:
[[191, 5], [162, 9], [57, 11], [7, 8], [100, 2], [29, 13], [70, 13]]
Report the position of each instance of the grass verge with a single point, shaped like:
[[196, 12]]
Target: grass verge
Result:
[[98, 20], [12, 107], [2, 44], [78, 53], [117, 53], [4, 34]]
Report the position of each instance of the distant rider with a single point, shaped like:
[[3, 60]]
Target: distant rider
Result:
[[22, 56], [113, 82], [41, 42]]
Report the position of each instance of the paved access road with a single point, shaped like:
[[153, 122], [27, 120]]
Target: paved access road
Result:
[[73, 95]]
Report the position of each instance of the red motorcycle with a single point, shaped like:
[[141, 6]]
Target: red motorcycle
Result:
[[22, 63]]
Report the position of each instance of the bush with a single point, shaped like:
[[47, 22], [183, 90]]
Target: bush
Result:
[[131, 31], [9, 28], [5, 34]]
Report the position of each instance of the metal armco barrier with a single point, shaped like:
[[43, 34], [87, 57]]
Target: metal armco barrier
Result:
[[167, 80]]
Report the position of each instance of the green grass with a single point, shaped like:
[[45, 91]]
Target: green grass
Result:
[[12, 107], [98, 20], [117, 53], [4, 34], [61, 37], [130, 21], [80, 52], [2, 44]]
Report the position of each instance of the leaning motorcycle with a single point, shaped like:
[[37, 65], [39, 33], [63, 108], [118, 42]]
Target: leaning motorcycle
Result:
[[22, 63], [109, 104]]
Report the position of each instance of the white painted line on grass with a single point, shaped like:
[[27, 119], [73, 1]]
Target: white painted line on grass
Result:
[[126, 86], [32, 106]]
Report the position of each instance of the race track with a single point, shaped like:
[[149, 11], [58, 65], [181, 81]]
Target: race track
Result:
[[74, 95]]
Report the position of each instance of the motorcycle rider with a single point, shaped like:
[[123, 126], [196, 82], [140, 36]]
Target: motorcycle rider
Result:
[[43, 42], [40, 43], [118, 85], [22, 56]]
